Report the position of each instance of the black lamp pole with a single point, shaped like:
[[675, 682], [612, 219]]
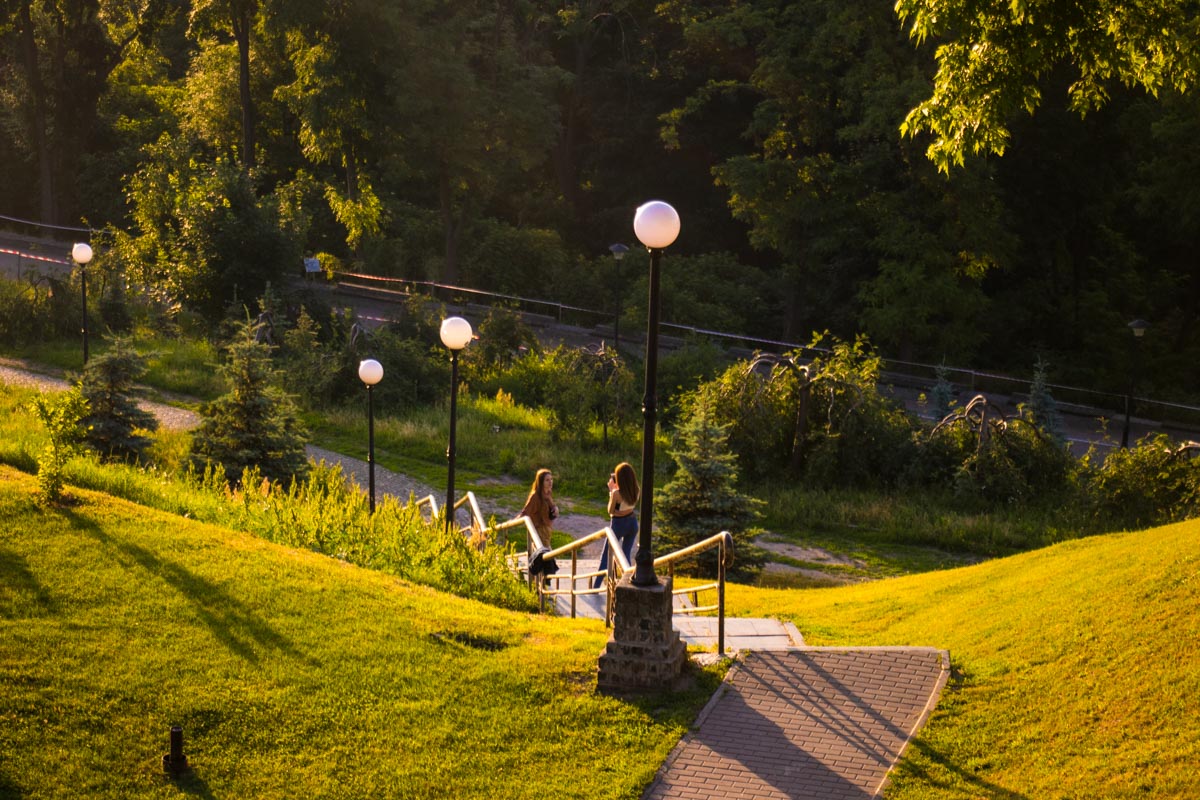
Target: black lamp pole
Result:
[[81, 254], [370, 372], [618, 250], [371, 445], [453, 429], [643, 574], [455, 334], [1138, 326]]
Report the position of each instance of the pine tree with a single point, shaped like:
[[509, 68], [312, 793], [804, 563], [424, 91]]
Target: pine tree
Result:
[[1042, 407], [701, 500], [942, 394], [114, 417], [256, 423]]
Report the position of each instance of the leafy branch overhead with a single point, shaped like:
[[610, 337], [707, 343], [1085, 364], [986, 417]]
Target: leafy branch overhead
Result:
[[993, 60]]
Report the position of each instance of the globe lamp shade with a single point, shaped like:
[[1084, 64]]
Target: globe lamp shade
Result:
[[456, 333], [370, 372], [81, 253], [656, 224]]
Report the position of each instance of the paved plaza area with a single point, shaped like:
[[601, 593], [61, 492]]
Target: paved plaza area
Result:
[[819, 723]]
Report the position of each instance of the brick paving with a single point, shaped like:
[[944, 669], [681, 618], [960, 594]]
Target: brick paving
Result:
[[819, 723]]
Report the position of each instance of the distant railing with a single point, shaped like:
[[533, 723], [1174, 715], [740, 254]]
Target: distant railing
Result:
[[911, 374]]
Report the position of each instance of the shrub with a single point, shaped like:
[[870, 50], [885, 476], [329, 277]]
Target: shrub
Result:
[[825, 419], [62, 416], [255, 423], [113, 417], [701, 500], [1153, 483]]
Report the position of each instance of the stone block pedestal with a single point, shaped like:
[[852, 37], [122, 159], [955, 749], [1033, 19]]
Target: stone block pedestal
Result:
[[644, 652]]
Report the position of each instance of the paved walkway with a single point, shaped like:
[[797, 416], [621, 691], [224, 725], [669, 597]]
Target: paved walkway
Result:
[[819, 723]]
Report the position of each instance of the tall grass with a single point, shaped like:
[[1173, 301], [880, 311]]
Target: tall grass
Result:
[[916, 516]]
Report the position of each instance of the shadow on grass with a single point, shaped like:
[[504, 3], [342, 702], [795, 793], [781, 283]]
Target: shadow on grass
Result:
[[231, 621], [977, 786], [192, 785], [21, 596]]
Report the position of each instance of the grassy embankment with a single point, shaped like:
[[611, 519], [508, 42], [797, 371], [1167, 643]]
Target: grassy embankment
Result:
[[1075, 670], [292, 674]]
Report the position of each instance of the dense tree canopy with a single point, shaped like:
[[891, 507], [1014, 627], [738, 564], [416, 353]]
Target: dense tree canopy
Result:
[[504, 146]]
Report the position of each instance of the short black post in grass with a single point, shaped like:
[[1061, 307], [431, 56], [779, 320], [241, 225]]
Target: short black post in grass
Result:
[[1138, 326], [456, 334], [370, 372], [81, 254], [174, 761]]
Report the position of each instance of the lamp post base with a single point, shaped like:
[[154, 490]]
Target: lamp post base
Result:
[[644, 652]]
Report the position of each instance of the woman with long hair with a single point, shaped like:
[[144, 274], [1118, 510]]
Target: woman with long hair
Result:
[[623, 495], [540, 507]]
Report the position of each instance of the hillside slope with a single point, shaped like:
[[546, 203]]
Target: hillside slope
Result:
[[292, 674], [1076, 669]]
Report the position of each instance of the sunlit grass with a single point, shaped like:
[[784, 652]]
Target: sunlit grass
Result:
[[292, 674], [1075, 666]]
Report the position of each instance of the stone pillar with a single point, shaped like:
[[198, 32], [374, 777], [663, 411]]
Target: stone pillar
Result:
[[644, 652]]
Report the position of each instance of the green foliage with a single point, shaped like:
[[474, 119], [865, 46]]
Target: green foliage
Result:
[[942, 395], [681, 371], [62, 417], [204, 238], [310, 370], [1152, 483], [993, 61], [328, 514], [414, 373], [255, 423], [826, 419], [1042, 409], [702, 499], [114, 419], [504, 336], [33, 312], [858, 436]]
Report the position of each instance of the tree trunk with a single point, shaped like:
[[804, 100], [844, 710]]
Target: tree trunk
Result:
[[37, 114], [242, 18], [451, 226]]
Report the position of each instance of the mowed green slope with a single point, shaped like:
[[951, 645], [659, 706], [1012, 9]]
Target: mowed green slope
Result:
[[293, 675], [1076, 671]]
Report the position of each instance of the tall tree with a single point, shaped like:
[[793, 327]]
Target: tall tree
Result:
[[234, 18], [994, 58], [867, 234]]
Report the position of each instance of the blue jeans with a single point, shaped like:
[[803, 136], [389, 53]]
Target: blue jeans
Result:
[[626, 529]]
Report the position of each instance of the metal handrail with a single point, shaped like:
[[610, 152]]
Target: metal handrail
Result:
[[723, 541], [618, 561]]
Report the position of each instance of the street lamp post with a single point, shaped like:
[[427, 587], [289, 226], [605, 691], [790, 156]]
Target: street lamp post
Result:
[[81, 254], [370, 372], [456, 334], [657, 225], [1138, 326], [618, 250]]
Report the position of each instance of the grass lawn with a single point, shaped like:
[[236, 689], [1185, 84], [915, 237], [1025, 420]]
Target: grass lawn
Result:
[[292, 674], [1076, 669]]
